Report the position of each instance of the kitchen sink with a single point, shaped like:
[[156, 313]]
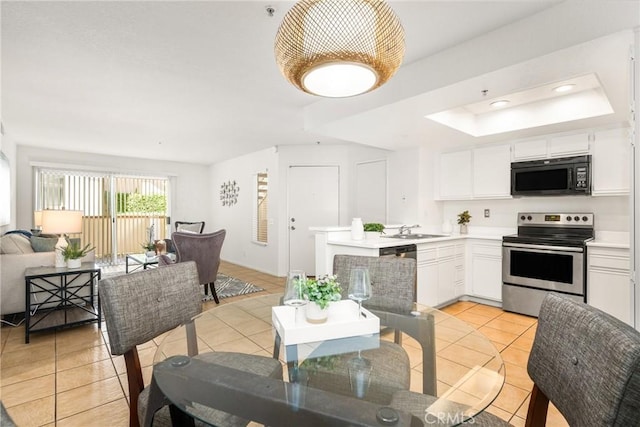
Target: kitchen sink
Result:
[[414, 236]]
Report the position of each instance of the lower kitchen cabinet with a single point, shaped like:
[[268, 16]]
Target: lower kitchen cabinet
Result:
[[440, 272], [609, 285], [485, 272]]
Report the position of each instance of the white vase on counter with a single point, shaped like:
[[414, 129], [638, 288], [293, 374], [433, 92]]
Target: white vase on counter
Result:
[[357, 229]]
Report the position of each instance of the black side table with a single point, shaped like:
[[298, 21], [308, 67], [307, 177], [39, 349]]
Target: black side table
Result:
[[61, 297]]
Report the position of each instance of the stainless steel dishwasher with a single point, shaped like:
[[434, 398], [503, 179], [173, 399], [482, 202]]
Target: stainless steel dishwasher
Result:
[[404, 251]]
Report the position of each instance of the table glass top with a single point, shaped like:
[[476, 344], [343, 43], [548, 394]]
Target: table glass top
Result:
[[455, 371]]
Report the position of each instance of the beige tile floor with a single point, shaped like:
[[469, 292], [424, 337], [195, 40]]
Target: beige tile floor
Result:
[[69, 378]]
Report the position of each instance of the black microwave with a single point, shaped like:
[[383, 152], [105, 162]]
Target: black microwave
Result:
[[552, 177]]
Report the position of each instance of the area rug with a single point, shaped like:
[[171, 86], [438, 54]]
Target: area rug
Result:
[[226, 286]]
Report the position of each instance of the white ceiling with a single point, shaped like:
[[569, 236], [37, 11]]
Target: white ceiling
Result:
[[197, 81]]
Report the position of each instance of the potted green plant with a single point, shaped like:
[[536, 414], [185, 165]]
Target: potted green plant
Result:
[[320, 293], [73, 252], [463, 219], [150, 248], [373, 229]]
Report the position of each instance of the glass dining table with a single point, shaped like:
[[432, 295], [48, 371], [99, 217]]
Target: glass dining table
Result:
[[454, 372]]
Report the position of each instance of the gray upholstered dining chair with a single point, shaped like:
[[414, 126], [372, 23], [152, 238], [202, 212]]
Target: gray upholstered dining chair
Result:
[[205, 250], [393, 290], [143, 305], [5, 419], [584, 361], [190, 227]]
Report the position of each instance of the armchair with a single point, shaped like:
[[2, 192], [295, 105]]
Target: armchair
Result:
[[191, 227], [205, 250]]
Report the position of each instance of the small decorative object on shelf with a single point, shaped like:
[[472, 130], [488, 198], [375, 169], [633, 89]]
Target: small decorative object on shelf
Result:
[[463, 220], [320, 293], [373, 229], [161, 247], [72, 254], [229, 193]]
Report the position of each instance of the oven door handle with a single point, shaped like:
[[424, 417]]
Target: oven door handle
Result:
[[543, 247]]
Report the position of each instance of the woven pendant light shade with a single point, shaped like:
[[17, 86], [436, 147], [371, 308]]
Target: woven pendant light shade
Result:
[[339, 48]]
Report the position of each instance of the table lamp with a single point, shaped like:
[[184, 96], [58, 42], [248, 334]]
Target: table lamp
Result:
[[37, 222], [61, 222]]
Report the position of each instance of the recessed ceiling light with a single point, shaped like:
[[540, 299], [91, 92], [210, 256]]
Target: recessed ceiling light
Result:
[[498, 104], [564, 88]]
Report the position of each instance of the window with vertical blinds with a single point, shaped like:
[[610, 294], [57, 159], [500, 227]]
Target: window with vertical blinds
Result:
[[121, 212]]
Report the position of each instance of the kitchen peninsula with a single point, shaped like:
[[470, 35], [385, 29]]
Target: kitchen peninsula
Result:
[[448, 267]]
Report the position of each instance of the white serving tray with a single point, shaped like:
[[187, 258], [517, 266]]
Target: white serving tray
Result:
[[343, 321]]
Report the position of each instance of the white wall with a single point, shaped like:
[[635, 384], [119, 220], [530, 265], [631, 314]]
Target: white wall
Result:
[[8, 147], [237, 219], [191, 194]]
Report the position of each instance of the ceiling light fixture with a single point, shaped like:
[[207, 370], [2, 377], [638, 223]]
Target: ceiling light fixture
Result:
[[564, 88], [339, 48], [500, 103]]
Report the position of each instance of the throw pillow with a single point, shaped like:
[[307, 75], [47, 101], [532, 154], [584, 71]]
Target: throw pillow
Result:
[[189, 228], [15, 244], [43, 244]]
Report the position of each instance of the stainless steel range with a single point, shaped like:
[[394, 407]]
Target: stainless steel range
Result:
[[547, 254]]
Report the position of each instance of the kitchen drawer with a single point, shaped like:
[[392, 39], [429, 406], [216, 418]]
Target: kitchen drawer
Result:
[[487, 250], [427, 255], [446, 251], [609, 261]]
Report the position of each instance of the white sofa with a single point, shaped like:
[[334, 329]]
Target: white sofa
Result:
[[13, 266]]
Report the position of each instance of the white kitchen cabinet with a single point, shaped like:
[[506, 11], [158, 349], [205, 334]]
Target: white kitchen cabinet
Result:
[[486, 269], [609, 285], [530, 150], [440, 272], [611, 163], [569, 145], [492, 172], [455, 175]]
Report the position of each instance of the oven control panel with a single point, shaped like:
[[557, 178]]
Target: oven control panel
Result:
[[555, 219]]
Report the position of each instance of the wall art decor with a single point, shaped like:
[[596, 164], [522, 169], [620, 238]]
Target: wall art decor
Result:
[[229, 193]]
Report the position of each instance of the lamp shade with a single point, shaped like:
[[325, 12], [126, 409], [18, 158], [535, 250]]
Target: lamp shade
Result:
[[37, 219], [61, 221], [339, 48]]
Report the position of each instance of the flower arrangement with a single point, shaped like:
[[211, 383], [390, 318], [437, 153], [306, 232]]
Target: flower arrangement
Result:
[[373, 226], [149, 246], [73, 251], [464, 218], [322, 290]]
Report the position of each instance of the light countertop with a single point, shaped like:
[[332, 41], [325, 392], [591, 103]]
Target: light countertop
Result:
[[386, 242], [611, 239]]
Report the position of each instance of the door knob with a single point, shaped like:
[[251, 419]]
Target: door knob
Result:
[[292, 227], [293, 220]]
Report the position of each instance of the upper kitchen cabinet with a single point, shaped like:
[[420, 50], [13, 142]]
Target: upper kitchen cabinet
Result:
[[482, 173], [530, 150], [557, 146], [492, 172], [570, 145], [455, 175], [611, 163]]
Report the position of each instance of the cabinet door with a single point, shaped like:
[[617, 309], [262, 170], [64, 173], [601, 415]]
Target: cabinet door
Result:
[[611, 163], [492, 172], [446, 280], [428, 284], [611, 292], [569, 145], [455, 175], [486, 270], [530, 150]]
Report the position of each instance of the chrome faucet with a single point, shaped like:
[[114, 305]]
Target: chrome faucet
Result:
[[407, 228]]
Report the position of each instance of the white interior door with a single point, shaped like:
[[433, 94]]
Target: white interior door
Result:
[[313, 200], [371, 191]]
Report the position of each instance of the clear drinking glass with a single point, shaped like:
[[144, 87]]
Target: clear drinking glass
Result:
[[293, 291], [359, 286]]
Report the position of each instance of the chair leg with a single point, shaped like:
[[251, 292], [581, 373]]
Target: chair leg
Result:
[[206, 289], [538, 406], [214, 293]]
